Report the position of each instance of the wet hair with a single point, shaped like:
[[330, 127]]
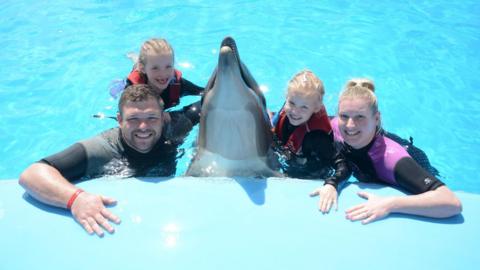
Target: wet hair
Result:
[[357, 92], [138, 93], [154, 46], [306, 83], [361, 92], [367, 83]]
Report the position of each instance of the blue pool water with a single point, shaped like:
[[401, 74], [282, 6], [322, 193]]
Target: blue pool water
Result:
[[58, 60]]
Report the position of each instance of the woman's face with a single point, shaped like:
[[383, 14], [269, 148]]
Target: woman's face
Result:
[[356, 121]]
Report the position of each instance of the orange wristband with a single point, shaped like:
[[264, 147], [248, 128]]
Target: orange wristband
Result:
[[74, 196]]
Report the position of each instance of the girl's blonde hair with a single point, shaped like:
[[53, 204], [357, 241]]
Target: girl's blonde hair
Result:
[[306, 83], [154, 46], [367, 83]]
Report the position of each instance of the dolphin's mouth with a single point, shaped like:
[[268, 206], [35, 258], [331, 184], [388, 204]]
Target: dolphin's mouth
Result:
[[230, 42]]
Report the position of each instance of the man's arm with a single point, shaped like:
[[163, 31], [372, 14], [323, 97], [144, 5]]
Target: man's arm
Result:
[[46, 183]]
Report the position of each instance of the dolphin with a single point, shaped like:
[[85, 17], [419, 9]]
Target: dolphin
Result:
[[235, 131]]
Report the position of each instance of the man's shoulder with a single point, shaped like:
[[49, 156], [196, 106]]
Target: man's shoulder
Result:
[[108, 140], [109, 134]]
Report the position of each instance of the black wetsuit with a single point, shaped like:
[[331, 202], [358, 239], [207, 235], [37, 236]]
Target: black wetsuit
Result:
[[385, 161], [408, 174], [319, 157], [108, 154]]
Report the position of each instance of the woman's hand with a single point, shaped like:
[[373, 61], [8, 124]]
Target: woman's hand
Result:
[[374, 208]]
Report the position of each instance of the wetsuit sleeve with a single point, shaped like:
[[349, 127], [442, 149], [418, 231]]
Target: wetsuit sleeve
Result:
[[192, 112], [190, 89], [320, 146], [178, 128], [412, 177], [71, 162], [127, 83], [342, 171]]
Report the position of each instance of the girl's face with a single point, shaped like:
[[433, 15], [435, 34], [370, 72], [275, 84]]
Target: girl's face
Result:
[[300, 108], [159, 70], [356, 122]]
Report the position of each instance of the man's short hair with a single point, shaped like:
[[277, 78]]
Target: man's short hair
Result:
[[138, 93]]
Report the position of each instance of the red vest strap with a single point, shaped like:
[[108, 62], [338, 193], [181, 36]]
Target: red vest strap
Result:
[[174, 91], [318, 121], [136, 77]]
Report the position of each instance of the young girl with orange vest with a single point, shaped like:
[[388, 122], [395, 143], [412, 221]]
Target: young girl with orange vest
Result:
[[155, 67], [303, 132]]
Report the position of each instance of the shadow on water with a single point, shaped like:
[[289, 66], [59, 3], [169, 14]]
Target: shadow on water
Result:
[[458, 219], [154, 180], [255, 188], [44, 207], [64, 212]]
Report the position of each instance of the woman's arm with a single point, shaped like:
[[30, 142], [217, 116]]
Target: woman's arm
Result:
[[438, 203], [431, 198]]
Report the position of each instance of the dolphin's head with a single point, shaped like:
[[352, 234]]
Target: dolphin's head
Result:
[[229, 66], [232, 79], [234, 127], [229, 73]]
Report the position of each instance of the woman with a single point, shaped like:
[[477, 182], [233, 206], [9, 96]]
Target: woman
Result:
[[376, 158]]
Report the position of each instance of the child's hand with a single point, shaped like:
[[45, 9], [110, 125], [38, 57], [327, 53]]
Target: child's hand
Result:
[[166, 118], [328, 198]]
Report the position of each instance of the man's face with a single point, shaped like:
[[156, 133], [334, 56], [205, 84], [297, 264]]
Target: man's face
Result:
[[141, 124]]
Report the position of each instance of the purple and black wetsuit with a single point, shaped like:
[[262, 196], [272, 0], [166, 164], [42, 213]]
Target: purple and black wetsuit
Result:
[[385, 161]]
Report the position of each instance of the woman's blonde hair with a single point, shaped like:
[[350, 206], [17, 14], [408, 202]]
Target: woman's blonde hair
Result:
[[360, 92], [154, 46], [306, 83], [365, 82]]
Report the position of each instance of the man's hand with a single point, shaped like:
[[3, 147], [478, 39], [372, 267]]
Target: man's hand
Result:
[[89, 210]]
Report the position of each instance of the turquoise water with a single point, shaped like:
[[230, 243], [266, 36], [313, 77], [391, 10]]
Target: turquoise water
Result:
[[58, 60]]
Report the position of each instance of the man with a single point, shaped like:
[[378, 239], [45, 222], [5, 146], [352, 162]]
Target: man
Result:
[[135, 148]]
